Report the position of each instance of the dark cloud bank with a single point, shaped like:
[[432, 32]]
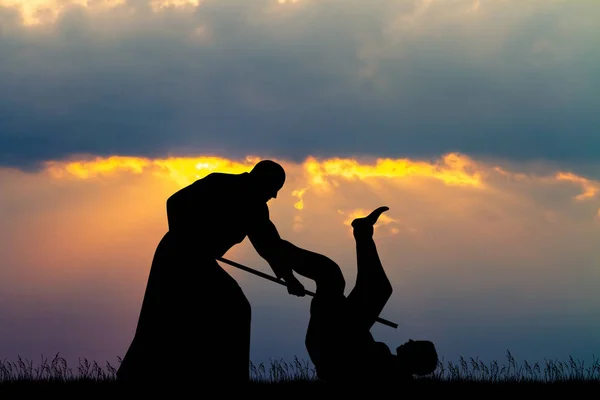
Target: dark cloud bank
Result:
[[323, 80]]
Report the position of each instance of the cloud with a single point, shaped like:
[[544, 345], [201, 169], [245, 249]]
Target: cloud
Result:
[[590, 188], [44, 12], [38, 12], [327, 79]]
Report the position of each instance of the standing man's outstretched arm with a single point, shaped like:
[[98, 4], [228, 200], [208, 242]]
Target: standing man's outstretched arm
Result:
[[268, 244]]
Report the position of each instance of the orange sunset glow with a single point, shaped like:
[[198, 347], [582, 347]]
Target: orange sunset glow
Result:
[[474, 121], [475, 226]]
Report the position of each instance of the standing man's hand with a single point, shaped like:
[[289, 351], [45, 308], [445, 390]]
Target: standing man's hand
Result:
[[294, 286]]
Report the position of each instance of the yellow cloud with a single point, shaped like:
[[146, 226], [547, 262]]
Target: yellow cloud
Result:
[[182, 170], [158, 5], [452, 172], [451, 169], [36, 12], [590, 189], [299, 193], [99, 166], [185, 170]]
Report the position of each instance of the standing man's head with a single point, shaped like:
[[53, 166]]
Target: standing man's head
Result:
[[268, 178]]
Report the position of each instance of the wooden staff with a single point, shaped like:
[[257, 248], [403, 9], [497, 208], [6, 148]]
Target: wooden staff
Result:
[[273, 279]]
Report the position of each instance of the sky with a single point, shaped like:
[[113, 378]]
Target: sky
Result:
[[475, 121]]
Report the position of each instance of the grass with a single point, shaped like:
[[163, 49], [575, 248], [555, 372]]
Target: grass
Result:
[[463, 375]]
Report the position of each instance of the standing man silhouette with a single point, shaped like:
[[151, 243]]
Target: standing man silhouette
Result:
[[195, 320]]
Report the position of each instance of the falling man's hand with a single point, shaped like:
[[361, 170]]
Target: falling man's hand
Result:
[[295, 287]]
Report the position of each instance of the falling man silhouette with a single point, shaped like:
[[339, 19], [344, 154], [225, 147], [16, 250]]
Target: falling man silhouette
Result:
[[194, 324], [338, 338]]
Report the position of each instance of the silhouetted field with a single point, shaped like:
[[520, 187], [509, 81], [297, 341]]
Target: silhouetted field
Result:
[[299, 378]]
